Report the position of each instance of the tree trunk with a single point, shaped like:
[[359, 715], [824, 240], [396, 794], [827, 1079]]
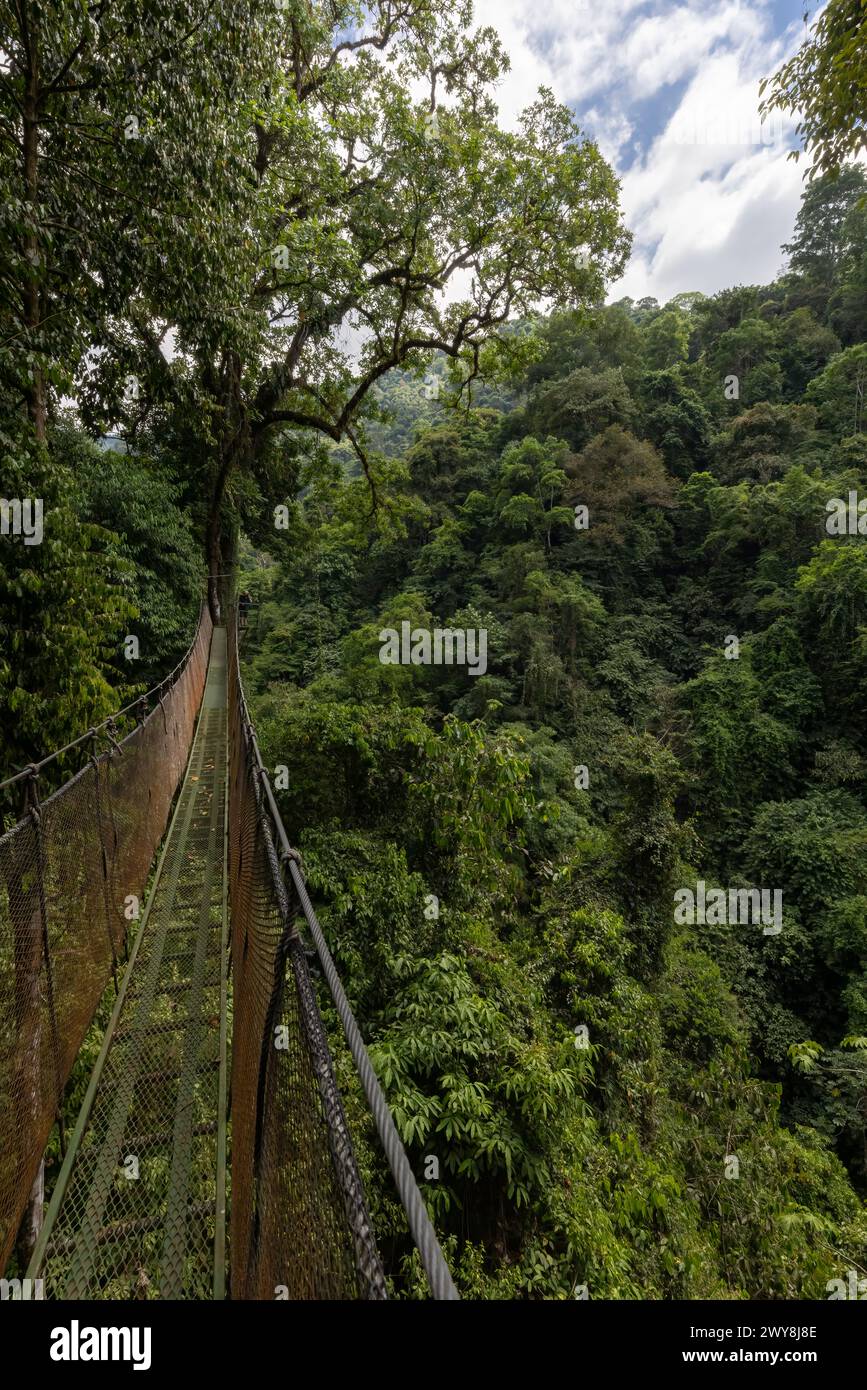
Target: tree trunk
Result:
[[31, 1222], [212, 552], [30, 297], [214, 531]]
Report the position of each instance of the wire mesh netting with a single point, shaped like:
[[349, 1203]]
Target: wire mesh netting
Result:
[[299, 1222], [68, 873], [140, 1203]]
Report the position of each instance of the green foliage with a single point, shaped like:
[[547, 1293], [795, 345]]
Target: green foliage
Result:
[[580, 406], [838, 392], [562, 1164], [490, 907], [139, 502], [63, 611], [825, 83], [666, 341]]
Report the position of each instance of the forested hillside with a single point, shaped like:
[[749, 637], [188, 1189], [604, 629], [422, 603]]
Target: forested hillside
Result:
[[674, 692], [556, 643]]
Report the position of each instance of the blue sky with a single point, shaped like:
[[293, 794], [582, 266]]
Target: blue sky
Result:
[[669, 88]]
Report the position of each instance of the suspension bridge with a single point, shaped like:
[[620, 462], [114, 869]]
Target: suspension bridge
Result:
[[211, 1156]]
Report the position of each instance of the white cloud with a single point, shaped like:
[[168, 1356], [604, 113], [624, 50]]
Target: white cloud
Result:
[[717, 232], [663, 49], [716, 194], [572, 46], [611, 129], [711, 196]]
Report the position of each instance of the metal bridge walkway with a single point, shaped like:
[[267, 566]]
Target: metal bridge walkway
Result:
[[139, 1206]]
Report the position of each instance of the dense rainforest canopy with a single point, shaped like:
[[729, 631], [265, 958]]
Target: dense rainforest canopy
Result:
[[650, 509], [619, 745]]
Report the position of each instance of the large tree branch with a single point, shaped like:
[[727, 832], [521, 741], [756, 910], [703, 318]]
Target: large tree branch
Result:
[[394, 17], [337, 426]]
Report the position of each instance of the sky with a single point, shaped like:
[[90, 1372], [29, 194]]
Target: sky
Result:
[[669, 90]]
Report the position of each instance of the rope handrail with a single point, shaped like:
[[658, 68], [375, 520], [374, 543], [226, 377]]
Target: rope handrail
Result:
[[436, 1269], [107, 725]]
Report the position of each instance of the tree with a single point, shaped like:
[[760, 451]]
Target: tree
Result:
[[657, 752], [847, 307], [529, 489], [824, 251], [137, 498], [624, 484], [675, 419], [750, 352], [840, 392], [666, 340], [580, 406], [368, 204], [111, 117], [604, 337], [841, 1076], [616, 474], [826, 82], [832, 591], [719, 312], [112, 120], [820, 240], [806, 345], [731, 729], [763, 442], [60, 606]]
